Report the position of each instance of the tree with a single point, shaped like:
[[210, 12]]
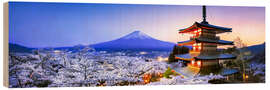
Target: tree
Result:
[[242, 56], [230, 50], [239, 43], [85, 65], [177, 50]]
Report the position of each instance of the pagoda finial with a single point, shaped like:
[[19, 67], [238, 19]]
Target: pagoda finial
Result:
[[204, 14]]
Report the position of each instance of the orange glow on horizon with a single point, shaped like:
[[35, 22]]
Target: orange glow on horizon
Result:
[[249, 28]]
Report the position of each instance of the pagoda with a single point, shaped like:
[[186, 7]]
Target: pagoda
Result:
[[204, 41]]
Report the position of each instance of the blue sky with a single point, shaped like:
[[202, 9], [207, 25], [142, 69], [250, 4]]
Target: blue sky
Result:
[[68, 24]]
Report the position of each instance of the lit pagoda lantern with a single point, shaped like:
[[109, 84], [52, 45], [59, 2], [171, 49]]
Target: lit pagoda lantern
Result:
[[204, 44]]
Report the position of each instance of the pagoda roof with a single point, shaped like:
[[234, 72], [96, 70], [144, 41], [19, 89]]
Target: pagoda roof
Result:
[[189, 57], [188, 42], [197, 40], [197, 25], [214, 57], [186, 57], [224, 42]]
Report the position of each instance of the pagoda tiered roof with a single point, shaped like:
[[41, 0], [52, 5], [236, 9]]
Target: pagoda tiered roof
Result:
[[186, 57], [224, 42], [189, 57], [198, 40], [214, 57], [196, 25]]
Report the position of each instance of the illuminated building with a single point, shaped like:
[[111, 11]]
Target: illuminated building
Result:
[[204, 42]]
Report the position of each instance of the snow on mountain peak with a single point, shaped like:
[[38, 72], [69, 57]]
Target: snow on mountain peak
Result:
[[137, 35]]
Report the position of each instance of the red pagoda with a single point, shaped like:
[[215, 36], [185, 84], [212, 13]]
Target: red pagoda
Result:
[[204, 42]]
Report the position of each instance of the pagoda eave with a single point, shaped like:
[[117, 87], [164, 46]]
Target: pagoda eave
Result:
[[197, 25], [189, 29], [220, 42], [189, 57], [190, 42], [216, 57], [185, 57], [225, 29]]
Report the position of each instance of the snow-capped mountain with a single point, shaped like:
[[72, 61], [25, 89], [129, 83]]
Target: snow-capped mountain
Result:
[[136, 40], [137, 35]]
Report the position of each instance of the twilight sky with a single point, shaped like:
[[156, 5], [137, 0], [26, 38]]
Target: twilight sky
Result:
[[68, 24]]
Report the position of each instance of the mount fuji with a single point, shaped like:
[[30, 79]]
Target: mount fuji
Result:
[[137, 41]]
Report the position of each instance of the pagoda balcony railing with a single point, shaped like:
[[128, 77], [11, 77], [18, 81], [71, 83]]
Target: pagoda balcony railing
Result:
[[206, 37]]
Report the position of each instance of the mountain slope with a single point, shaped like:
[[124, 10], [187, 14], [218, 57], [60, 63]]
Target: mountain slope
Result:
[[19, 48], [257, 48], [259, 53], [134, 41]]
